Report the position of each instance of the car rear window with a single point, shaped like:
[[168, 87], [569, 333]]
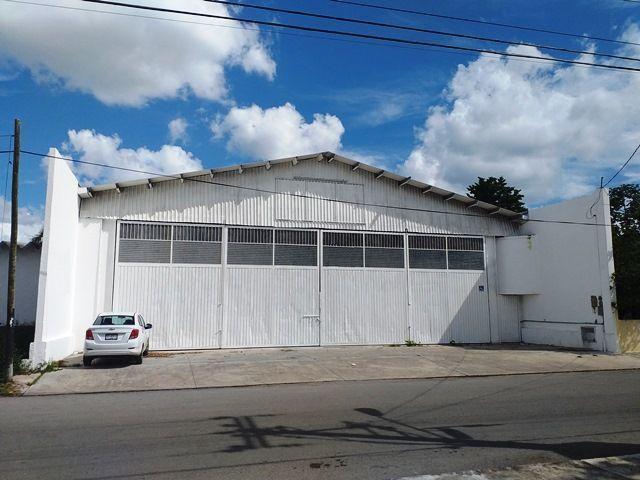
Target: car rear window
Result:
[[115, 320]]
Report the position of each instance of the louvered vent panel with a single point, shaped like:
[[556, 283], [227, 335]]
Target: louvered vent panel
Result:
[[144, 251], [465, 243], [466, 260]]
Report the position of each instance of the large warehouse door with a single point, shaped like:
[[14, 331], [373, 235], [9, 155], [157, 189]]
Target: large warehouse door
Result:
[[213, 287], [172, 276], [271, 288], [364, 287], [449, 299]]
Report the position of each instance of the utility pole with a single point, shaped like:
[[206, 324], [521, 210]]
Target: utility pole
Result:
[[13, 253]]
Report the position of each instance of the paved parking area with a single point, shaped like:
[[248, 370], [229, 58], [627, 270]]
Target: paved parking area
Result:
[[227, 368]]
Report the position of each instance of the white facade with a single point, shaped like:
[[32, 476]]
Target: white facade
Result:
[[337, 253]]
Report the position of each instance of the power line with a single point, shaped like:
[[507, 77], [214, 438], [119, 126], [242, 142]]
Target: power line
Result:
[[623, 165], [485, 22], [306, 13], [300, 35], [362, 35], [182, 178]]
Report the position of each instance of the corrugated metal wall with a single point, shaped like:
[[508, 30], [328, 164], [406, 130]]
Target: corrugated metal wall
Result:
[[270, 306], [174, 201], [182, 302], [363, 306], [243, 306], [449, 306], [213, 306]]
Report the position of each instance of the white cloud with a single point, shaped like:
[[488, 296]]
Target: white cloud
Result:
[[127, 60], [30, 220], [97, 148], [550, 129], [178, 130], [277, 132]]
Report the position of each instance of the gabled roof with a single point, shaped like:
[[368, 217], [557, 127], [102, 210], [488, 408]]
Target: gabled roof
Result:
[[469, 202]]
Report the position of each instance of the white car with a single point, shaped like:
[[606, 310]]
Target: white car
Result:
[[117, 334]]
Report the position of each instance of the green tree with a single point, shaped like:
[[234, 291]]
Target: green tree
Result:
[[625, 226], [496, 191]]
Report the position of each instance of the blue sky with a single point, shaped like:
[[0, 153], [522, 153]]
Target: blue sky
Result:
[[105, 88]]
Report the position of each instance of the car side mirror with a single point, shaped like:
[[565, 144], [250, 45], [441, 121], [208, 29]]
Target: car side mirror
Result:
[[148, 326]]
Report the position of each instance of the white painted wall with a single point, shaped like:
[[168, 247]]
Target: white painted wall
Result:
[[27, 268], [575, 262], [519, 266], [54, 325]]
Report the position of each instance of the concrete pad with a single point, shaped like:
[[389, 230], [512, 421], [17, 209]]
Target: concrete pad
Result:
[[267, 366]]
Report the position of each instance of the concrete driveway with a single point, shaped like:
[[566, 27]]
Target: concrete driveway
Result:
[[227, 368]]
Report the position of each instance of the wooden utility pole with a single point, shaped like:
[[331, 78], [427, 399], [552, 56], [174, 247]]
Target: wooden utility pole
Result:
[[13, 253]]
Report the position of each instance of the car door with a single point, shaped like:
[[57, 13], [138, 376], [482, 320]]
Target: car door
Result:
[[145, 332]]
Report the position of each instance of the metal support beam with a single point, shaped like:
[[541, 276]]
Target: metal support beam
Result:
[[449, 197], [329, 156], [294, 161], [118, 188], [380, 174], [404, 181], [267, 166], [355, 167], [212, 173], [493, 212], [149, 184], [427, 190], [89, 192], [181, 178], [473, 204]]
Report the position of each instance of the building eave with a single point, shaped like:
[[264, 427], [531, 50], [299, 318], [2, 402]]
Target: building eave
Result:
[[402, 181]]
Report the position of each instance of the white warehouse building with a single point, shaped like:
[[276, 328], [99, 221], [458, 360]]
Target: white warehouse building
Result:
[[318, 250]]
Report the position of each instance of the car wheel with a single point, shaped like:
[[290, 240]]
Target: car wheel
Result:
[[146, 351], [138, 360], [86, 361]]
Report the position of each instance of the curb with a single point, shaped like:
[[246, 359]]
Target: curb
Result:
[[318, 382]]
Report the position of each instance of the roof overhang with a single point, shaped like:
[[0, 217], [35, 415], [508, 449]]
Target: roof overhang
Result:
[[377, 172]]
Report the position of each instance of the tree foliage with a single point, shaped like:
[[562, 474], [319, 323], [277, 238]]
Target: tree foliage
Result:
[[625, 226], [497, 192]]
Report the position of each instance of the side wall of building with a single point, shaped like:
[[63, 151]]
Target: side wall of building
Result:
[[570, 304], [56, 284]]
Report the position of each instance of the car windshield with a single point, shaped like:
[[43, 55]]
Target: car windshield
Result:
[[114, 320]]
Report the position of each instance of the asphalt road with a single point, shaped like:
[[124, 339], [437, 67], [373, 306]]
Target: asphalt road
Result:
[[359, 430]]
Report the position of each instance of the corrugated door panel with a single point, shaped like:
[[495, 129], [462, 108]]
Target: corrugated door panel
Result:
[[363, 306], [468, 307], [180, 301], [264, 307], [448, 306], [429, 310], [295, 295]]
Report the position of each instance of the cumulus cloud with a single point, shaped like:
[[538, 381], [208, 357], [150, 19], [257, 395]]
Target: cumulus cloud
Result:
[[129, 60], [551, 129], [277, 132], [30, 220], [178, 130], [93, 147]]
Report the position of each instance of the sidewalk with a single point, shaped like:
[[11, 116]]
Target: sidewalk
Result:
[[230, 368], [610, 468]]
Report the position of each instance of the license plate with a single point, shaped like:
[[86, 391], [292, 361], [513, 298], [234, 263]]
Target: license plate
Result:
[[110, 336]]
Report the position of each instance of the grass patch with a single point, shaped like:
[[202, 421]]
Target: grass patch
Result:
[[411, 343]]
